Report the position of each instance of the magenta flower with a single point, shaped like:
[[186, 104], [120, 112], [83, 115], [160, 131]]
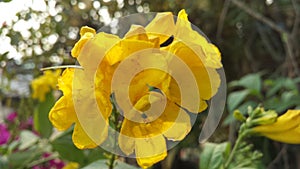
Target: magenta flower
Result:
[[26, 124], [12, 116], [5, 135]]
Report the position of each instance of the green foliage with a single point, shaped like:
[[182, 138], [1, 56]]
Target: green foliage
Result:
[[279, 94], [246, 158], [214, 155], [66, 149], [103, 165], [41, 120]]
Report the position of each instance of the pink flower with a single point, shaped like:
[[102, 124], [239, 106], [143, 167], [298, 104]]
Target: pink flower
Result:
[[5, 135], [12, 116]]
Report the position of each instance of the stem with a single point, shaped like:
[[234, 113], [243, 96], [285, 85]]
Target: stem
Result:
[[111, 161], [115, 120], [259, 16], [237, 143], [42, 160]]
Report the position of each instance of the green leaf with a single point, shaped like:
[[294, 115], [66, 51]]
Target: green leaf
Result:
[[102, 164], [275, 87], [94, 155], [27, 139], [290, 84], [242, 108], [235, 98], [213, 155], [66, 149], [41, 120], [19, 160], [251, 81]]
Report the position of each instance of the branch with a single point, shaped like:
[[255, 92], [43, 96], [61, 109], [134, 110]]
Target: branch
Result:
[[297, 18], [259, 17], [222, 18]]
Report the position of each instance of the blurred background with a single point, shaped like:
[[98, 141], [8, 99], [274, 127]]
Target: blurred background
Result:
[[259, 41]]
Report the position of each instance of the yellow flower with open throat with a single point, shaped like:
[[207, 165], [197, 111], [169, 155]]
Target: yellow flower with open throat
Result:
[[157, 75], [286, 128]]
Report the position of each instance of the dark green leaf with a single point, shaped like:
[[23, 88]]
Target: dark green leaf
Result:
[[66, 149], [235, 98], [251, 81], [41, 120]]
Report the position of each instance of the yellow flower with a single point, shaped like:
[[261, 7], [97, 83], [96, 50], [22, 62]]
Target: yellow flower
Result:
[[156, 74], [44, 84], [147, 139], [71, 165], [78, 104], [286, 128]]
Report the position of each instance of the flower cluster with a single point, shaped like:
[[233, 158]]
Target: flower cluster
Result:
[[44, 84], [157, 75]]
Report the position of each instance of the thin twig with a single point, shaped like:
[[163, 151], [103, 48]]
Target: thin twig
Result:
[[222, 18], [286, 36], [297, 18], [259, 17]]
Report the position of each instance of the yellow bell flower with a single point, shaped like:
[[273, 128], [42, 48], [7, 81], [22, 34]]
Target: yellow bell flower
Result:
[[147, 72], [44, 84], [286, 128]]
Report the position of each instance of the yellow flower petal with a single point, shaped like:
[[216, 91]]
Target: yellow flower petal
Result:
[[207, 78], [86, 29], [150, 150], [126, 143], [156, 26], [285, 122], [86, 34], [81, 140], [178, 128], [65, 82], [87, 110], [286, 129], [71, 165], [136, 32], [125, 48], [62, 114], [291, 136], [95, 50], [184, 31]]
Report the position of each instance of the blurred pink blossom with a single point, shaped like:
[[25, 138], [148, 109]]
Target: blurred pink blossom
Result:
[[12, 116], [5, 135]]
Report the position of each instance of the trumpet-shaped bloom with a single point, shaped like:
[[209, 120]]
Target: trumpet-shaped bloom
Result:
[[44, 84], [286, 128], [157, 73]]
